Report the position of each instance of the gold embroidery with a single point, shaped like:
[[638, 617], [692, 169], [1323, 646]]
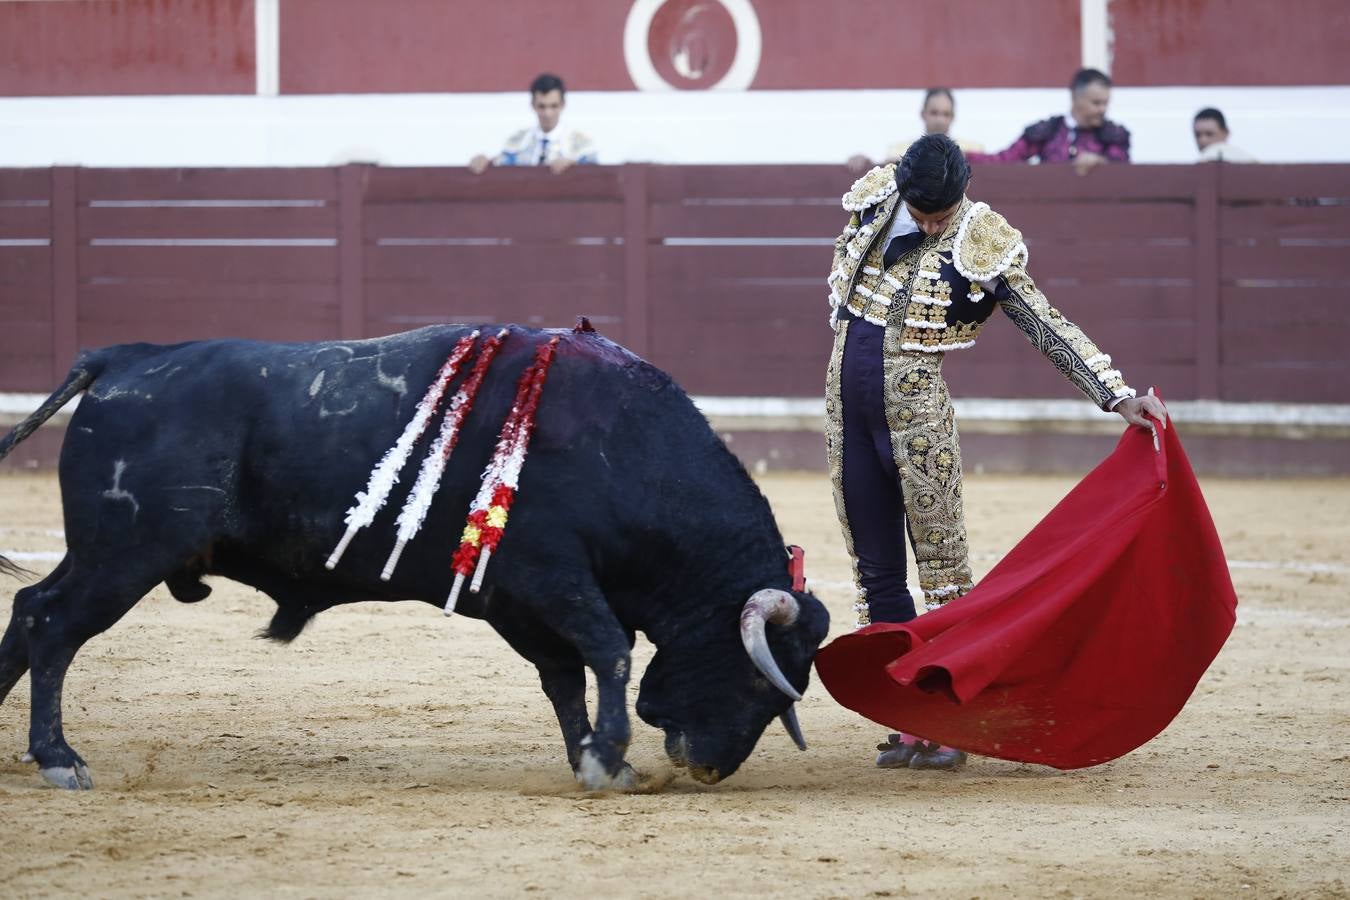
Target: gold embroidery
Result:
[[928, 453], [1060, 341], [873, 187], [985, 244]]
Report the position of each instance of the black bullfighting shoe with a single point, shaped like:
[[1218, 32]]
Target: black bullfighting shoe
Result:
[[932, 755], [897, 752]]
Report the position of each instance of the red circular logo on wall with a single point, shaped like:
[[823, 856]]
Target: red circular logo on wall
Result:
[[692, 43]]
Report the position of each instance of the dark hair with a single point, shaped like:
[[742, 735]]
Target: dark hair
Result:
[[1085, 77], [1210, 112], [933, 174], [546, 82], [937, 92]]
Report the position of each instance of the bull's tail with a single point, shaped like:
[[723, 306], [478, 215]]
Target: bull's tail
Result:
[[82, 374]]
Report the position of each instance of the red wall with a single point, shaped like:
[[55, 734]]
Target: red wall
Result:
[[1230, 42], [127, 47], [58, 47]]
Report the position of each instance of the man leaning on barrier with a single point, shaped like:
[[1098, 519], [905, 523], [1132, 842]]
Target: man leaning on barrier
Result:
[[548, 142]]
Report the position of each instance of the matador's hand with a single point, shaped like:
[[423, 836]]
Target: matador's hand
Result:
[[1146, 411]]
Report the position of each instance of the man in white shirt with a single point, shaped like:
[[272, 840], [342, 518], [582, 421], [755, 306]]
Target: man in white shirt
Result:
[[549, 143], [1211, 138]]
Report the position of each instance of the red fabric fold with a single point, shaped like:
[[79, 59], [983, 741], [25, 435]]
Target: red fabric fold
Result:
[[1082, 644]]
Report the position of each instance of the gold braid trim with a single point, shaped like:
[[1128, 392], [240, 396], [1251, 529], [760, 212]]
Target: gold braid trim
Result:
[[1060, 341], [834, 454]]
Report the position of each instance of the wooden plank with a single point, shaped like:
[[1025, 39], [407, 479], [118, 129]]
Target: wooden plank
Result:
[[1101, 221], [534, 219], [25, 185], [124, 292], [1317, 343], [1266, 261], [1278, 306], [194, 313], [502, 264], [1265, 183], [1129, 342], [1207, 260], [499, 184], [997, 183], [199, 264], [29, 267], [261, 328], [255, 222], [594, 292], [1306, 383], [24, 338], [1270, 222], [25, 222], [702, 264], [1110, 261], [206, 184], [745, 219], [816, 185], [970, 376], [352, 181], [635, 258], [1118, 301], [65, 271], [703, 367]]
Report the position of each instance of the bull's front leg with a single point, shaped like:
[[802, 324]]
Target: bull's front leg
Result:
[[589, 626], [562, 674]]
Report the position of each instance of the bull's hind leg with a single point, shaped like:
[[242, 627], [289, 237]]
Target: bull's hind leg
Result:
[[55, 623], [14, 645]]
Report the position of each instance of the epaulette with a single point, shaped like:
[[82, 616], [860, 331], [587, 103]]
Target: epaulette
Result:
[[871, 189], [517, 140], [1114, 134], [986, 245], [1042, 131]]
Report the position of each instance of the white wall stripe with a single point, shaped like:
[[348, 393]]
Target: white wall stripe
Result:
[[267, 46], [1095, 32]]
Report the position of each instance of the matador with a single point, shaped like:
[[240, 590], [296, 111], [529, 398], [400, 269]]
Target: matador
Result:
[[917, 272]]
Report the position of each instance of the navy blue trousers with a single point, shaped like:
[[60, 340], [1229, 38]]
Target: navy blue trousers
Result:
[[873, 500]]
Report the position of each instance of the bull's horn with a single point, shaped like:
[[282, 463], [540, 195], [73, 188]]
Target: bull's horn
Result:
[[780, 608], [794, 728]]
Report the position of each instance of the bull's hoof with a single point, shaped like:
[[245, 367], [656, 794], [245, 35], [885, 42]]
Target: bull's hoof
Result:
[[592, 776], [69, 778]]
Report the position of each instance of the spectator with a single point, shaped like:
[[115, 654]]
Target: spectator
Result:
[[938, 113], [1211, 138], [1085, 137], [547, 143]]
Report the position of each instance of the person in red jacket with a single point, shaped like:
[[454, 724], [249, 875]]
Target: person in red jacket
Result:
[[1085, 137]]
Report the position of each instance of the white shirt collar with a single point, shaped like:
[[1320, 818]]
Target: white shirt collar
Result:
[[902, 222]]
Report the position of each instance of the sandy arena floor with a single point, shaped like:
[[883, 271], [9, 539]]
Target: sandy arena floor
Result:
[[390, 751]]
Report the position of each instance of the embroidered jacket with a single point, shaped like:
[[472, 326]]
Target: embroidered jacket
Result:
[[939, 294], [1052, 141], [532, 147]]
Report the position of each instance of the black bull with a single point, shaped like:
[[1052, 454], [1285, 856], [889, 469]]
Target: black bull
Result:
[[239, 459]]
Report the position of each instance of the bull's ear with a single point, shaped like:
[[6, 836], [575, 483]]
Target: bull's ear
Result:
[[763, 607]]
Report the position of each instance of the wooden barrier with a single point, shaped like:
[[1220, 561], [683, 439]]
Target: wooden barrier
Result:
[[1219, 282]]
